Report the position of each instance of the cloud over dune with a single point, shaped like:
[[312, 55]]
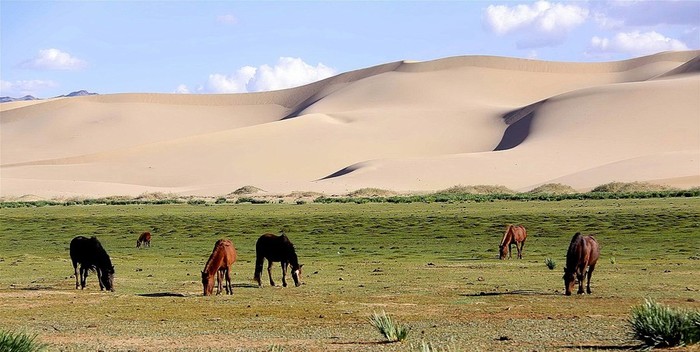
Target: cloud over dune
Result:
[[24, 87], [288, 72], [53, 59], [636, 43], [545, 21]]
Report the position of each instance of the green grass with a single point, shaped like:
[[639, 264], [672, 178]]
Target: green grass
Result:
[[391, 330], [19, 342], [432, 266], [656, 325]]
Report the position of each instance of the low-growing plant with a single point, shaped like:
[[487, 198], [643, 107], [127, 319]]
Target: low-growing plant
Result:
[[19, 342], [430, 347], [391, 330], [657, 325], [550, 263], [613, 261], [276, 348]]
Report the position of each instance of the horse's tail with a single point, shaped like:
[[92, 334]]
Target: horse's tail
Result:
[[259, 261]]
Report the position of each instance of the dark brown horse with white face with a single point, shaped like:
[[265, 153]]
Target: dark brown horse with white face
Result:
[[144, 240], [276, 249], [583, 253], [88, 252], [514, 234], [219, 265]]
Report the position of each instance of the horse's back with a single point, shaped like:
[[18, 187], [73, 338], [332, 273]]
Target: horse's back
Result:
[[224, 252], [593, 250], [583, 250], [146, 236], [273, 247], [519, 233]]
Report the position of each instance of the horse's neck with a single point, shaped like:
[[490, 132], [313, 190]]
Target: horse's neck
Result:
[[507, 237]]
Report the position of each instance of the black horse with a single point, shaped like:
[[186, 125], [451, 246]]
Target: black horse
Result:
[[276, 249], [88, 252]]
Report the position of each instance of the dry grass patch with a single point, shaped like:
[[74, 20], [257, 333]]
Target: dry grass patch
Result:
[[246, 190], [553, 188], [372, 192], [631, 187], [478, 189]]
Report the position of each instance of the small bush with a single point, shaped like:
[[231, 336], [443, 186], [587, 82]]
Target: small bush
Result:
[[553, 188], [19, 342], [660, 326], [429, 347], [276, 348], [550, 263], [220, 200], [386, 326]]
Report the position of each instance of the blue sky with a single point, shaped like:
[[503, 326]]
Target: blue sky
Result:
[[53, 48]]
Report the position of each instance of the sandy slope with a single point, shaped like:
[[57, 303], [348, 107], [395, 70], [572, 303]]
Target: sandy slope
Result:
[[401, 126]]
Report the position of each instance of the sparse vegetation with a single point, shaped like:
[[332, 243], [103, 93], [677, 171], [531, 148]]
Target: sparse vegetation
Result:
[[371, 192], [391, 330], [19, 342], [550, 263], [478, 189], [631, 187], [657, 325], [245, 190], [554, 189]]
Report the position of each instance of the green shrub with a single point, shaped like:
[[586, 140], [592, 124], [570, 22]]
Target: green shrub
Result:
[[660, 326], [19, 342], [386, 326], [551, 264]]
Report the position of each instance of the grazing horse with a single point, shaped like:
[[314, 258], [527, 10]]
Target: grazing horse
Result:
[[144, 240], [88, 252], [276, 249], [219, 264], [514, 234], [583, 252]]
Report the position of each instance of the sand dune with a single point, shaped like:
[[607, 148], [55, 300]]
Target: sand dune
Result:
[[402, 126]]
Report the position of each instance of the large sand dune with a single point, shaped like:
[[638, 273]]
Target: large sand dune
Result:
[[401, 126]]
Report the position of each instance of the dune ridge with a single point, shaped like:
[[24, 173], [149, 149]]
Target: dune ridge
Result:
[[404, 126]]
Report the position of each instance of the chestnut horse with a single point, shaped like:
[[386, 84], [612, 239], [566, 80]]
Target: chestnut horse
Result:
[[89, 253], [219, 264], [583, 252], [514, 234], [276, 249], [144, 240]]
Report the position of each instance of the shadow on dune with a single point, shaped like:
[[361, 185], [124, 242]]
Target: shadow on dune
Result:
[[515, 292], [341, 172], [519, 122]]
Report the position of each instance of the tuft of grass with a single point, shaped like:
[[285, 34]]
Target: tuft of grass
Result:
[[19, 342], [276, 348], [613, 261], [391, 330], [551, 264], [430, 347], [553, 188], [631, 187], [661, 326]]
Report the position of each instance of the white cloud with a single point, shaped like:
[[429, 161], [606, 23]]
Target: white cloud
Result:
[[288, 72], [620, 13], [53, 59], [21, 88], [182, 89], [636, 43], [227, 19], [541, 16]]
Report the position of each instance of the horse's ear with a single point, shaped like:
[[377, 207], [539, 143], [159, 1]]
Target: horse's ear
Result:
[[300, 265]]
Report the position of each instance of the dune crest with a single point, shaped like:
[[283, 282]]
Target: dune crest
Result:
[[403, 126]]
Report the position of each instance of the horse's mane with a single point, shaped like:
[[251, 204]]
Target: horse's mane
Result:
[[571, 257], [290, 251], [102, 257], [505, 235]]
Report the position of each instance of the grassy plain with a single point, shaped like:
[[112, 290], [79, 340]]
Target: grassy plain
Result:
[[431, 266]]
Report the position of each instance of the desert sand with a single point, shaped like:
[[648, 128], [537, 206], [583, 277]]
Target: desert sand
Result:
[[404, 126]]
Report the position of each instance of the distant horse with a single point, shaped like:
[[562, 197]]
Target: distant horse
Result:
[[144, 240], [514, 234], [276, 249], [583, 252], [219, 264], [88, 252]]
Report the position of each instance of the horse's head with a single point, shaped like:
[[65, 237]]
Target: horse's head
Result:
[[502, 252], [107, 278], [569, 281], [296, 274], [207, 283], [138, 243]]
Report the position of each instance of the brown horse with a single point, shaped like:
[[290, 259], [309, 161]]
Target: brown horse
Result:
[[514, 234], [144, 240], [276, 249], [219, 264], [583, 252]]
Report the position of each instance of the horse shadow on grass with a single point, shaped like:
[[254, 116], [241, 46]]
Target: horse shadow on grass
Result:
[[514, 292], [176, 294]]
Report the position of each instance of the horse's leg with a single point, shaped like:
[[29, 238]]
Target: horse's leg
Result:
[[229, 288], [219, 279], [99, 278], [83, 277], [269, 272], [520, 250], [75, 270], [580, 273], [588, 283], [284, 274], [510, 250]]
